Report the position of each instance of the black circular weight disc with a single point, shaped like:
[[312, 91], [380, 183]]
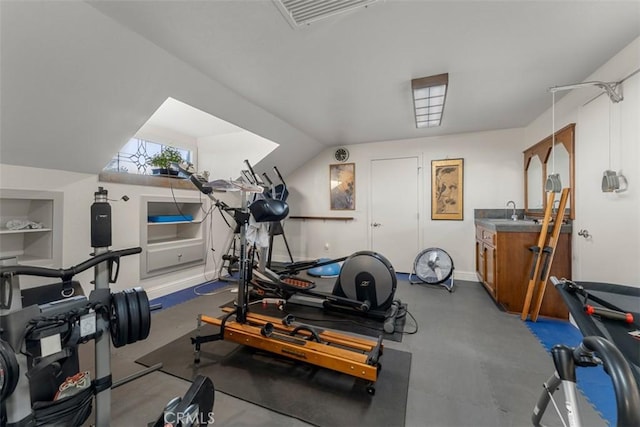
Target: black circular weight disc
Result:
[[9, 370], [119, 319], [145, 313], [371, 267], [134, 315]]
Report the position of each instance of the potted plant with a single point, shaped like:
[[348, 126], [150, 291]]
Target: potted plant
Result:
[[163, 161]]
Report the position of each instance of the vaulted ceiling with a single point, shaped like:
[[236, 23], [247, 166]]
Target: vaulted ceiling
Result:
[[88, 74]]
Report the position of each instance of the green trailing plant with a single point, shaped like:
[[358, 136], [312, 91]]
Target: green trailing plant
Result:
[[166, 157]]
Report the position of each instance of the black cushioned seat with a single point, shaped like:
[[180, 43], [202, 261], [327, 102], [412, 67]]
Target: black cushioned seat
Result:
[[269, 210]]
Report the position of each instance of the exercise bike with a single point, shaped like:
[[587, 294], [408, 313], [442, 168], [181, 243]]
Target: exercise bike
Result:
[[43, 327]]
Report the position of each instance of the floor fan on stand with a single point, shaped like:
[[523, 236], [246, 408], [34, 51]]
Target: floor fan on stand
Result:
[[433, 266]]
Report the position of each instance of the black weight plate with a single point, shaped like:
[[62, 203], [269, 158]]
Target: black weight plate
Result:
[[10, 370], [145, 313], [134, 315], [119, 319]]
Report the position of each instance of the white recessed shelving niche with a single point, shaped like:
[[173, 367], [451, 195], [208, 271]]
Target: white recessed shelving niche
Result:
[[171, 234], [42, 245]]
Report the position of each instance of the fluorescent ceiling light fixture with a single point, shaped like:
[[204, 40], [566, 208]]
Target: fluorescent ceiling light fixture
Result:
[[304, 12], [429, 94]]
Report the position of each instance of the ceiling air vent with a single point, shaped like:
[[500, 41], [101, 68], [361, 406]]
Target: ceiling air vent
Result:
[[303, 12]]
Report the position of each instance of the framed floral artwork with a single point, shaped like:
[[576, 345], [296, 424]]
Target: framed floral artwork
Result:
[[447, 189]]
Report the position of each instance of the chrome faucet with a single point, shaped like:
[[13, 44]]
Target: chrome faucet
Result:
[[514, 216]]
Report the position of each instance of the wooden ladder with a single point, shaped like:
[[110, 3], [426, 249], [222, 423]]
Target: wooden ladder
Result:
[[537, 258], [550, 251]]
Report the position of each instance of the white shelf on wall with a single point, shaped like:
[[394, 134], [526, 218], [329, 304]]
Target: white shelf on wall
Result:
[[173, 245], [32, 246], [159, 242], [31, 230]]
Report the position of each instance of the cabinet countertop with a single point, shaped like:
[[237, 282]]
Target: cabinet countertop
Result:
[[519, 226]]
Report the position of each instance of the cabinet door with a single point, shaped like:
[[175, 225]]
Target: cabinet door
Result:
[[513, 255], [173, 256], [490, 269], [480, 265]]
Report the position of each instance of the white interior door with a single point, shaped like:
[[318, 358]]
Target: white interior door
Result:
[[394, 215]]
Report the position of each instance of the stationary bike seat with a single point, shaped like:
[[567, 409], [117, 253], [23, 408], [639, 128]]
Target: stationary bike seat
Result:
[[269, 210]]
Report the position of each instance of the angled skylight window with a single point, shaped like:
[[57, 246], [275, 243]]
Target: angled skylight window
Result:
[[206, 141]]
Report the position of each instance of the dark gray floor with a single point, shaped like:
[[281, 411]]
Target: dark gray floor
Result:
[[472, 365]]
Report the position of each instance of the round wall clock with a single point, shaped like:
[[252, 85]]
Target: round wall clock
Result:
[[341, 154]]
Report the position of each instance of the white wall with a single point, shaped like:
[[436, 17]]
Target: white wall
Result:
[[493, 160], [126, 220], [611, 255], [75, 81], [224, 155], [492, 176], [78, 188]]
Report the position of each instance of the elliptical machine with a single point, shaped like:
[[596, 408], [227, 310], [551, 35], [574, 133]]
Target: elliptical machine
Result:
[[365, 286]]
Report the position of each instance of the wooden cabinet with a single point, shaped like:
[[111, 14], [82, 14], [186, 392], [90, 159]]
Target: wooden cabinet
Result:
[[172, 234], [503, 265], [485, 258], [490, 267], [480, 264]]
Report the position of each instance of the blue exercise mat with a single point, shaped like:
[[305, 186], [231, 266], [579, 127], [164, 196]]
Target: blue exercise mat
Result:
[[594, 383], [170, 218]]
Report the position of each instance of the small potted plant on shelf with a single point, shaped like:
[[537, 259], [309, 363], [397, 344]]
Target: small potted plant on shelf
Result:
[[164, 160]]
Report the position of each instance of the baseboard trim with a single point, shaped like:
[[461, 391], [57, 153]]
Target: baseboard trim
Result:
[[466, 275]]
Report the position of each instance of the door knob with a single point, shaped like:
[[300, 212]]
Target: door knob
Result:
[[375, 224]]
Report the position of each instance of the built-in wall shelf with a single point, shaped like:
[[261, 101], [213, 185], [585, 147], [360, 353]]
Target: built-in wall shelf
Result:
[[151, 224], [28, 230], [172, 245], [32, 246], [146, 180]]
